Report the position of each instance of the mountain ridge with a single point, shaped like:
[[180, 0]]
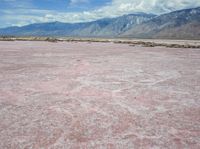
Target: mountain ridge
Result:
[[108, 27], [181, 24]]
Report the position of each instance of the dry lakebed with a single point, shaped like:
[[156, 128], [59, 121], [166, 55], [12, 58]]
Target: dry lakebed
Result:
[[96, 95]]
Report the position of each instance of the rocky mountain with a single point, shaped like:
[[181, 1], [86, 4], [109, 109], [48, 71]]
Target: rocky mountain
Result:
[[108, 27], [183, 24]]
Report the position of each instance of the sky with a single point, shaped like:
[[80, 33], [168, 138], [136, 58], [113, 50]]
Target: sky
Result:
[[23, 12]]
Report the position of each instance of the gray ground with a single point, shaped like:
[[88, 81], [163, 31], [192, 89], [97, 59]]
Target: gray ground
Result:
[[98, 95]]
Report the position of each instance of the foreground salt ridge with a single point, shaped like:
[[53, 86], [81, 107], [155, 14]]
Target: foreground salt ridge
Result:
[[98, 95]]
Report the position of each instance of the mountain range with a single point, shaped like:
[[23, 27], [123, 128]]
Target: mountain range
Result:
[[182, 24]]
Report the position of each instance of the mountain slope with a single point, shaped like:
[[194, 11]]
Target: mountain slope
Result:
[[109, 27], [183, 24], [124, 23]]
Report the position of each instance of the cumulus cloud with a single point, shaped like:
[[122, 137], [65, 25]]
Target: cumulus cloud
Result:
[[150, 6], [120, 7], [112, 9]]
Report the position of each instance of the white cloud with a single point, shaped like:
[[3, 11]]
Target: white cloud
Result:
[[115, 8], [150, 6]]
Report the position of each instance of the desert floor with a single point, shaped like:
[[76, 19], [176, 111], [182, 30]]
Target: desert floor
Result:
[[69, 95]]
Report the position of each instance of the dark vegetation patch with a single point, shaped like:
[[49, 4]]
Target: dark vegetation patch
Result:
[[90, 40]]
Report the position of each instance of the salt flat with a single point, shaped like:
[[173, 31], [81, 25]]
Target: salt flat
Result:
[[69, 95]]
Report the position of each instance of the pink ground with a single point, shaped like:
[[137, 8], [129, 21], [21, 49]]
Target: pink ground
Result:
[[98, 96]]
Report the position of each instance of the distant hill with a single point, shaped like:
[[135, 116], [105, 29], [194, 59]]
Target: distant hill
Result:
[[108, 27], [182, 24]]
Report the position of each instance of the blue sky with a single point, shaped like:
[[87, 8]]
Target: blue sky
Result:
[[58, 5], [23, 12]]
